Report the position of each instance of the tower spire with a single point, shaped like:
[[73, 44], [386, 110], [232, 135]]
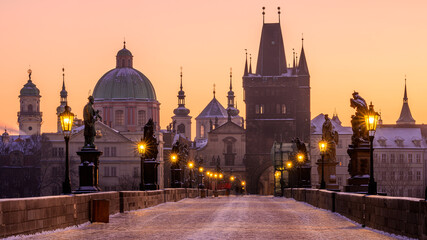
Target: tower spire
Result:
[[302, 66], [250, 63], [214, 90], [63, 79], [263, 15], [180, 75], [246, 63], [405, 113], [278, 11], [231, 76]]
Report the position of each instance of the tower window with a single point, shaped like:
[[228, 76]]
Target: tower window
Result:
[[261, 109], [202, 131], [141, 118], [283, 109], [257, 109], [119, 117], [30, 108], [181, 128], [278, 108]]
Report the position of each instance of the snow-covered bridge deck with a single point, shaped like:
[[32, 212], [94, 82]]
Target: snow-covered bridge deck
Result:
[[241, 217]]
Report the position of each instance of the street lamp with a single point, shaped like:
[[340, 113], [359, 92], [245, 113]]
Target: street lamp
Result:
[[300, 160], [66, 118], [191, 166], [289, 164], [323, 145], [141, 150], [371, 119]]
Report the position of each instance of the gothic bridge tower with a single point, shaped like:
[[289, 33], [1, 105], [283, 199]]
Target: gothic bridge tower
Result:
[[277, 98]]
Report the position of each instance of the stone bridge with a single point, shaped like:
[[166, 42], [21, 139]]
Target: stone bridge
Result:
[[181, 214]]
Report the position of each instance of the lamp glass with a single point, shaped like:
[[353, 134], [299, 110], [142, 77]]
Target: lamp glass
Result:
[[66, 118]]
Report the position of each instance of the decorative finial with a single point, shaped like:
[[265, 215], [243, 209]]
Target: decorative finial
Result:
[[63, 72], [250, 63], [278, 11], [246, 52], [214, 90], [302, 39], [29, 73], [124, 43], [263, 15], [231, 76], [181, 78]]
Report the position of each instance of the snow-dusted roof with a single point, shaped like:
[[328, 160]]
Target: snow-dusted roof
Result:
[[317, 123], [212, 110], [399, 138]]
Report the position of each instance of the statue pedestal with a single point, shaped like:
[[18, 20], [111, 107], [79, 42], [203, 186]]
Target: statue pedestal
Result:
[[150, 174], [329, 173], [88, 170], [358, 168]]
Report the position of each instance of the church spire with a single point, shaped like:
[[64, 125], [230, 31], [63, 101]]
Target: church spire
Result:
[[181, 110], [302, 66], [246, 63], [250, 63], [405, 113], [230, 99]]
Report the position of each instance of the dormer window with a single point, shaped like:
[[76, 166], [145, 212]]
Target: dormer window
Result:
[[399, 141], [417, 142], [382, 141]]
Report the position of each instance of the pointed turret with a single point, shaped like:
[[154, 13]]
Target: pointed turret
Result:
[[250, 63], [246, 64], [405, 113], [271, 55], [63, 101], [181, 110], [302, 66], [230, 97]]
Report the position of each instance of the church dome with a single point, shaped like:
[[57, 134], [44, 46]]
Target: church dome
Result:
[[30, 89], [124, 82]]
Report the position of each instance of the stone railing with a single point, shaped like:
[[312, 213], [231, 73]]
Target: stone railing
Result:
[[397, 215], [32, 215]]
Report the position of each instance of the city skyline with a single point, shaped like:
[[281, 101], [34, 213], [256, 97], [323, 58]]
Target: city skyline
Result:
[[206, 39]]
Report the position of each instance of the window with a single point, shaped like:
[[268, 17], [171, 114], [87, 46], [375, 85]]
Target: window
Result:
[[418, 158], [384, 158], [30, 108], [410, 176], [392, 158], [61, 152], [283, 109], [392, 176], [136, 172], [119, 118], [418, 176], [113, 171], [213, 162], [384, 176], [202, 131], [401, 175], [256, 109], [401, 158], [229, 156], [409, 158], [181, 128], [106, 151], [54, 152], [106, 171], [409, 192], [113, 151], [261, 109], [141, 118], [278, 108]]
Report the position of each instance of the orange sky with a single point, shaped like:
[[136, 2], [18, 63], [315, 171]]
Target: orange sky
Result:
[[366, 46]]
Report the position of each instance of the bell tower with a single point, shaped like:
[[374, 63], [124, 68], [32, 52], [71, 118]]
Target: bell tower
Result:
[[29, 116], [181, 120]]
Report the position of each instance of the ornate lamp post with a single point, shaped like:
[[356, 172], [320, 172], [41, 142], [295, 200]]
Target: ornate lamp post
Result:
[[201, 185], [322, 147], [289, 165], [141, 150], [175, 171], [66, 118], [190, 167], [371, 119], [300, 160]]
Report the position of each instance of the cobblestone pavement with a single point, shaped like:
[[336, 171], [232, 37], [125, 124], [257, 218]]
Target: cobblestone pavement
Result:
[[248, 217]]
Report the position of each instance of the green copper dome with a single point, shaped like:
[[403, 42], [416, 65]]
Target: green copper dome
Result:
[[124, 83]]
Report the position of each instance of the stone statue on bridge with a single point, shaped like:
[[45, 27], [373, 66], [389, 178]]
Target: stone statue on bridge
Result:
[[360, 134], [331, 137], [90, 116]]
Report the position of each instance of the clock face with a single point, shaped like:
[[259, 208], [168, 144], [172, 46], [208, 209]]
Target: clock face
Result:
[[30, 128]]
